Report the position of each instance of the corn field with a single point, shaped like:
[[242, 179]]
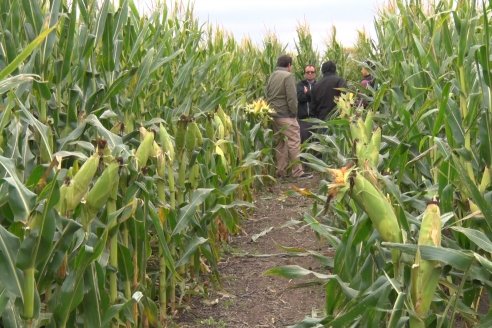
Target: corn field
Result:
[[130, 143]]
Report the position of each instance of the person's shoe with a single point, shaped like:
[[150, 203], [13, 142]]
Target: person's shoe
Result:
[[305, 176]]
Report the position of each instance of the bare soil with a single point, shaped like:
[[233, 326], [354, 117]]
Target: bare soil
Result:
[[247, 297]]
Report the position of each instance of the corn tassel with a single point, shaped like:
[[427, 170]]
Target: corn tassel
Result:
[[425, 273]]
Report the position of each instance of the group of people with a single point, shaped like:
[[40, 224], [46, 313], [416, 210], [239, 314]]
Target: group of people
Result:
[[310, 98]]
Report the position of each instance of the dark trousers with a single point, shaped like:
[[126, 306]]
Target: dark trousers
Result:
[[305, 129]]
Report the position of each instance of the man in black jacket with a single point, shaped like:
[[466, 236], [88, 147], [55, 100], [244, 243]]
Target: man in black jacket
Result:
[[304, 88], [324, 92]]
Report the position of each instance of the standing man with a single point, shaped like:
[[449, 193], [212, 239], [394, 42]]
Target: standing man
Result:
[[304, 88], [281, 95], [324, 92]]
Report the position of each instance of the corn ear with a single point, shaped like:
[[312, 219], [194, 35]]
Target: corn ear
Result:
[[190, 138], [219, 128], [166, 143], [226, 121], [73, 192], [180, 136], [209, 128], [368, 122], [485, 182], [194, 177], [144, 149], [100, 192], [373, 148], [425, 273], [378, 208], [197, 133]]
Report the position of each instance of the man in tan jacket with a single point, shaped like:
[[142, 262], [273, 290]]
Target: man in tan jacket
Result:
[[282, 97]]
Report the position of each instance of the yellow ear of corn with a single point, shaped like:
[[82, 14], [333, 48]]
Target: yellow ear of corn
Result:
[[100, 192], [485, 180], [219, 128], [368, 122], [373, 148], [378, 208], [73, 193], [166, 143], [190, 138], [358, 131], [226, 121], [144, 149], [209, 128], [425, 273], [180, 136], [197, 133], [194, 176]]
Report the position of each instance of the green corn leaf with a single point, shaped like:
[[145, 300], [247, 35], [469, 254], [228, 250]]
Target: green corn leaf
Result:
[[112, 139], [119, 84], [54, 257], [101, 21], [108, 44], [33, 13], [294, 272], [190, 249], [50, 40], [477, 237], [71, 38], [186, 213], [472, 190], [13, 82], [96, 300], [72, 289], [4, 298], [10, 275], [121, 19], [485, 135], [163, 241], [21, 199], [459, 259], [40, 128], [13, 65]]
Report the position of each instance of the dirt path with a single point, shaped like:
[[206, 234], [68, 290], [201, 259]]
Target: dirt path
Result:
[[248, 298]]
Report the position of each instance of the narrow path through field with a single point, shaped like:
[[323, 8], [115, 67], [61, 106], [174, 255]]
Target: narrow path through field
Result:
[[249, 298]]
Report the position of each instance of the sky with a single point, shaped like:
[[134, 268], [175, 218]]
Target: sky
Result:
[[257, 18]]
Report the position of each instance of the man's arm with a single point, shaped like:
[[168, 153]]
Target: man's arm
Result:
[[291, 95]]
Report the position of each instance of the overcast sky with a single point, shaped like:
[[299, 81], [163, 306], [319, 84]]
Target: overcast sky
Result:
[[256, 18]]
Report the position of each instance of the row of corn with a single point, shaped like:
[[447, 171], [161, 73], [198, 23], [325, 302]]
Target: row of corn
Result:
[[191, 159], [362, 185]]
